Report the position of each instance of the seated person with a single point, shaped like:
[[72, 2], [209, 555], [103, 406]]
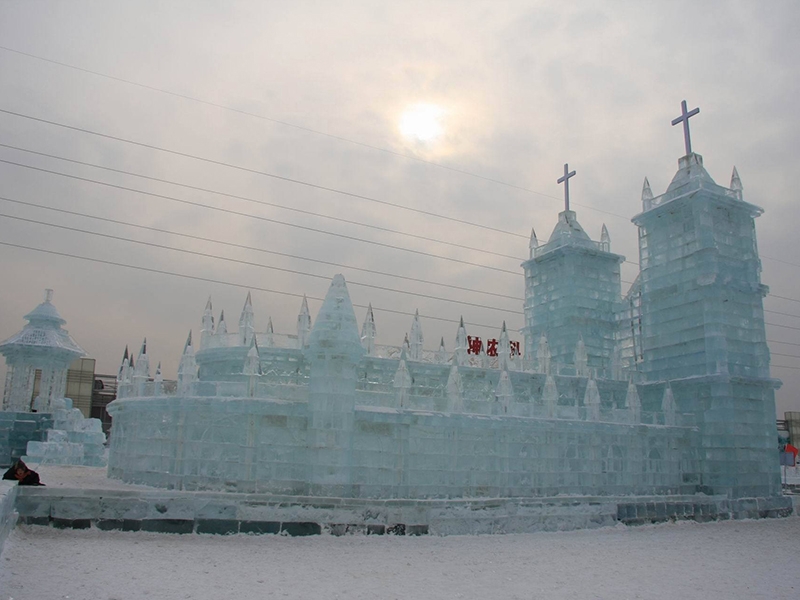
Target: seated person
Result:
[[20, 471]]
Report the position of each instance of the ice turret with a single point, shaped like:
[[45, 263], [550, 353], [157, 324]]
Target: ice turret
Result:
[[534, 243], [605, 239], [736, 183], [647, 192], [416, 338], [158, 381], [504, 362], [369, 332], [269, 340], [441, 354], [460, 354], [208, 324], [333, 351], [550, 397], [402, 382], [222, 327], [504, 394], [252, 367], [633, 403], [581, 359], [591, 400], [246, 322], [187, 369], [303, 324], [455, 391]]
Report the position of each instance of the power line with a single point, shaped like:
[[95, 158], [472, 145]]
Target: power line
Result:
[[257, 172], [228, 283], [256, 249], [308, 130], [257, 217], [252, 264], [262, 202]]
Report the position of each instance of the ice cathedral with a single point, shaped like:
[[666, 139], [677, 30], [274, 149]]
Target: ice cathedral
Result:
[[664, 390]]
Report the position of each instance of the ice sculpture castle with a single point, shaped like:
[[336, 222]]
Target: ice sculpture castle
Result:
[[665, 390]]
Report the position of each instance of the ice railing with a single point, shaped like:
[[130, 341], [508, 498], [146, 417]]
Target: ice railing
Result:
[[264, 340], [688, 188]]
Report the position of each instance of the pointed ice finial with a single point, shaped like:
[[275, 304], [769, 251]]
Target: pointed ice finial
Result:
[[402, 383], [647, 193], [605, 239], [369, 332], [123, 368], [143, 349], [441, 354], [504, 361], [222, 327], [504, 394], [736, 183], [303, 324], [483, 358], [591, 400], [406, 346], [207, 330], [48, 295], [581, 359], [534, 242], [455, 391], [668, 406], [543, 355], [252, 367], [416, 338], [158, 382], [158, 371], [187, 347], [269, 338], [460, 354], [246, 322], [634, 403], [550, 397]]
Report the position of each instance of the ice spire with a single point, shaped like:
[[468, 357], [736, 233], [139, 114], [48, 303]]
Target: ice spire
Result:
[[460, 354], [605, 239], [455, 391], [269, 337], [634, 403], [668, 406], [504, 362], [406, 348], [416, 338], [543, 355], [441, 354], [252, 367], [550, 397], [504, 394], [369, 332], [581, 359], [123, 367], [303, 324], [222, 327], [534, 242], [483, 358], [647, 193], [208, 324], [591, 400], [402, 382], [736, 183], [142, 368], [246, 322], [187, 369], [158, 381]]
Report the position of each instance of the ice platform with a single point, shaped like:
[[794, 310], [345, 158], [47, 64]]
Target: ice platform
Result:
[[83, 497]]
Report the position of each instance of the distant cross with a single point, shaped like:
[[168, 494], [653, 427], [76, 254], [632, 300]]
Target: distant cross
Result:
[[565, 181], [684, 118]]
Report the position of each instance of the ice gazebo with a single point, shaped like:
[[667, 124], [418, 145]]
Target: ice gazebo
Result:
[[663, 392]]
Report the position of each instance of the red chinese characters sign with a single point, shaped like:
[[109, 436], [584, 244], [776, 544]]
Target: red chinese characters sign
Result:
[[474, 345]]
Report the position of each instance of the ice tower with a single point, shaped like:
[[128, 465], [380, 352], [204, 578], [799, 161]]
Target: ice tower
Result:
[[572, 285], [702, 322]]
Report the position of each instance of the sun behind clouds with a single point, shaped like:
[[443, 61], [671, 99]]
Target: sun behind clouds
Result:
[[422, 122]]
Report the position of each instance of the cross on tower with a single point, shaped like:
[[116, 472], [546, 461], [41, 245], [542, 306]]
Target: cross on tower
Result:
[[685, 119], [565, 181]]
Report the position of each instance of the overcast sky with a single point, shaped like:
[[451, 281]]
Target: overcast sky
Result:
[[517, 88]]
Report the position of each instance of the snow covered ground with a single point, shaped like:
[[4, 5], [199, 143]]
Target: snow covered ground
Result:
[[728, 560]]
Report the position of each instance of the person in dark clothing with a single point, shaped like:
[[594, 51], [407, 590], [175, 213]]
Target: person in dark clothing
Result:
[[24, 476]]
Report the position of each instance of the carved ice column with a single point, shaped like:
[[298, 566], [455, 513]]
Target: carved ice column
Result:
[[591, 400], [455, 391], [252, 368], [543, 356], [504, 394], [668, 406], [550, 397], [402, 383], [634, 403], [581, 359]]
